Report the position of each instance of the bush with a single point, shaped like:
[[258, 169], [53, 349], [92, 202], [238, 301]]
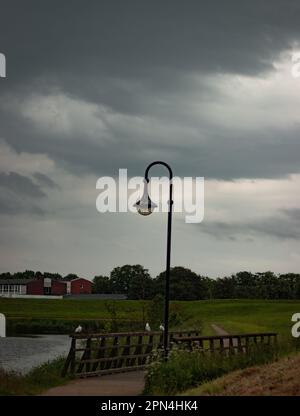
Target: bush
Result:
[[187, 369]]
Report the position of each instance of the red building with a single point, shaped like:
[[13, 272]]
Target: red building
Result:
[[80, 286], [45, 286]]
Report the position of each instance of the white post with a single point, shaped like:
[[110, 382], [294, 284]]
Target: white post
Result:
[[2, 326], [2, 66]]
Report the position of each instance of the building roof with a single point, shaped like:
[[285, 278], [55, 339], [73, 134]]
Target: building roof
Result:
[[15, 281], [78, 278]]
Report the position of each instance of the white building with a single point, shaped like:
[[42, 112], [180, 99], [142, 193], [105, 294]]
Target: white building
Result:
[[13, 287]]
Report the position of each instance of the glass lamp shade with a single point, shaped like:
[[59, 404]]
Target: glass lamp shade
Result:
[[145, 206]]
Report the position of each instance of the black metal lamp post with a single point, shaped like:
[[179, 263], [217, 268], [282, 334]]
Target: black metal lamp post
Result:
[[145, 207]]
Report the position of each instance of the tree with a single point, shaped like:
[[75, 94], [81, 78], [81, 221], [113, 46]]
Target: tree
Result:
[[130, 279], [141, 286], [70, 276], [184, 284], [224, 288], [101, 284]]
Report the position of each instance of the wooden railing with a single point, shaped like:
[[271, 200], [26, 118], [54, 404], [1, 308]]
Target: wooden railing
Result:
[[93, 354], [99, 354], [226, 343]]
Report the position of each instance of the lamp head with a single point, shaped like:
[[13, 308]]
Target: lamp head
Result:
[[145, 206]]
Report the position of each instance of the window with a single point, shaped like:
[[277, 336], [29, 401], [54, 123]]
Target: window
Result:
[[5, 288], [1, 288], [47, 290]]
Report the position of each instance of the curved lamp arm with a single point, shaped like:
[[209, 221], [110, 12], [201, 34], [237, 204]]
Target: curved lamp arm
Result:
[[158, 163]]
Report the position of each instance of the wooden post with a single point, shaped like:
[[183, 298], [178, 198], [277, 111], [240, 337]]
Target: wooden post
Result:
[[239, 346], [100, 354], [85, 356], [231, 347], [126, 351], [70, 361], [88, 354], [222, 349], [137, 350], [113, 353]]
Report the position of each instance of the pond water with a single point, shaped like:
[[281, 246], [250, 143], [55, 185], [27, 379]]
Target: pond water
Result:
[[21, 354]]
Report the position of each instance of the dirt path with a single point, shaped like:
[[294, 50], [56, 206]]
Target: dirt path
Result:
[[220, 331], [121, 384]]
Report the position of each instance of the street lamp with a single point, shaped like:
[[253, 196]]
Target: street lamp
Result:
[[145, 207]]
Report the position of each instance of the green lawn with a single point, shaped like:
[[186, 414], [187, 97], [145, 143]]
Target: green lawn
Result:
[[233, 315], [68, 309], [241, 316]]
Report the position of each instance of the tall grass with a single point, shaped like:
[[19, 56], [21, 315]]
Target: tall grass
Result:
[[187, 369], [37, 380]]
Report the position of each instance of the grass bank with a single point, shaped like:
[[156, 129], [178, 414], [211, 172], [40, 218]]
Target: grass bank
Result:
[[186, 369], [36, 381], [233, 315], [280, 378]]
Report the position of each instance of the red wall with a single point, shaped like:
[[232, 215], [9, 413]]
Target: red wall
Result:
[[79, 286], [58, 288], [35, 287]]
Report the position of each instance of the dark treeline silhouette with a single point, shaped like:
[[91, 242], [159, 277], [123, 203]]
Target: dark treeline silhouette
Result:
[[136, 282], [30, 275]]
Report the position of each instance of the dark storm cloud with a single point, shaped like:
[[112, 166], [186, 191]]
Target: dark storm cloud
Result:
[[19, 184], [143, 39], [19, 195], [283, 227], [135, 57], [44, 180]]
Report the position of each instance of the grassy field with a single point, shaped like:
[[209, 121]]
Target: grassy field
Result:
[[68, 309], [241, 316], [233, 315]]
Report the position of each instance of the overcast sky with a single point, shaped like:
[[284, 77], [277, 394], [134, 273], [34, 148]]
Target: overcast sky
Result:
[[93, 87]]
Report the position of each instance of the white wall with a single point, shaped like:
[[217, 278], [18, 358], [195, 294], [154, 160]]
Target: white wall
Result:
[[2, 326], [15, 295]]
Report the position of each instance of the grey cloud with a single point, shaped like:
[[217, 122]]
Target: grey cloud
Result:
[[44, 180], [11, 204], [84, 46], [149, 64], [136, 57], [19, 195], [286, 226], [21, 185]]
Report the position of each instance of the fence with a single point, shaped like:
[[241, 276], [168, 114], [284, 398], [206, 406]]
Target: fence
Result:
[[226, 343], [99, 354], [94, 354]]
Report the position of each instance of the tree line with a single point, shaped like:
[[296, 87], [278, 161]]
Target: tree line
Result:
[[135, 282], [31, 275]]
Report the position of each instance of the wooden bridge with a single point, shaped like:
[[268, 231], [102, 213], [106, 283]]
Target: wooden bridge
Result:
[[99, 354]]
